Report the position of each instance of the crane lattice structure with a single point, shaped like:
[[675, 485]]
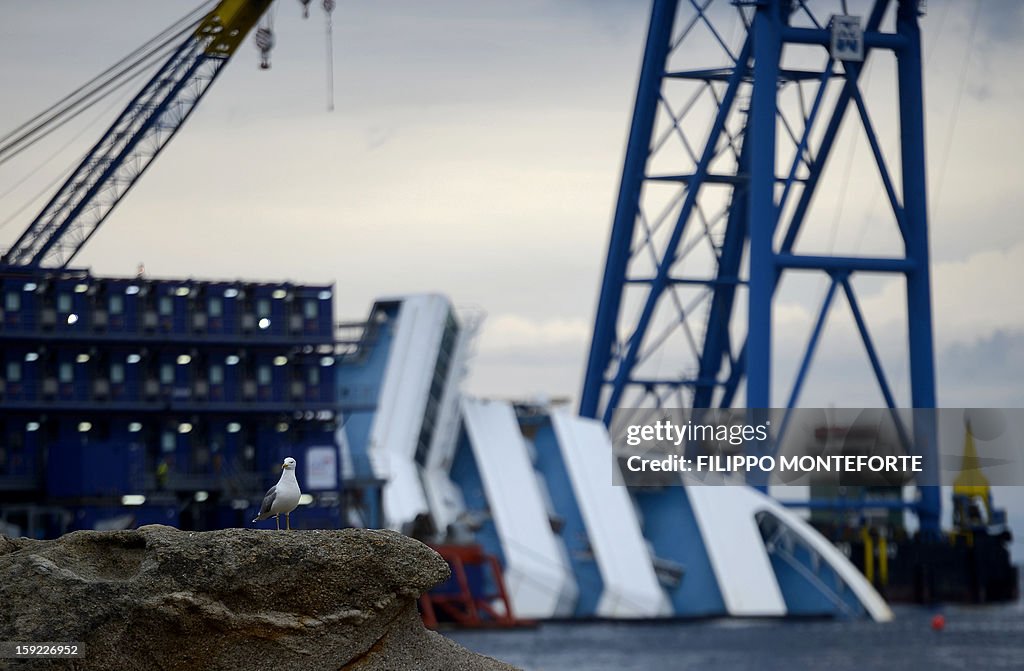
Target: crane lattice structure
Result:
[[707, 224], [137, 136]]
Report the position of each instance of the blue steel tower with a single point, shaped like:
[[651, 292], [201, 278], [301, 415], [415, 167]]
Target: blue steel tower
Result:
[[737, 115]]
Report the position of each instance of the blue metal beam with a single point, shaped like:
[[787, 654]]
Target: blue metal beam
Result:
[[812, 345], [823, 37], [762, 209], [869, 346], [660, 282], [883, 170], [805, 138], [716, 338], [919, 299], [853, 74], [849, 264], [659, 36]]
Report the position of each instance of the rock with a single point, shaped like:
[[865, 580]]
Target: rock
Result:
[[161, 599]]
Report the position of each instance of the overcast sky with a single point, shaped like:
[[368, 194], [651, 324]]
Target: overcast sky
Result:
[[475, 150]]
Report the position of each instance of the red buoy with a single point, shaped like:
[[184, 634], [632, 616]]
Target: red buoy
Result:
[[938, 622]]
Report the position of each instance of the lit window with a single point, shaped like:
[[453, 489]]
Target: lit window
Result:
[[234, 427], [165, 306], [135, 427], [263, 307], [280, 360], [231, 360], [133, 358], [13, 371], [83, 427], [64, 302], [65, 372], [216, 374], [82, 358], [117, 373], [116, 304], [184, 360], [216, 307], [184, 427], [167, 442], [13, 301], [263, 374], [310, 309], [279, 294], [231, 293], [166, 374], [32, 356]]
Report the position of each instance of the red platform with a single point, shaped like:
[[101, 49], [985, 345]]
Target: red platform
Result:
[[474, 596]]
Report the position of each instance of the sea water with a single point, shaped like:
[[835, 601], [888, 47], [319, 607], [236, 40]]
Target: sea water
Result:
[[982, 637]]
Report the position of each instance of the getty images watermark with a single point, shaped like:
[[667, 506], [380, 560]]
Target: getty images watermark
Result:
[[815, 446]]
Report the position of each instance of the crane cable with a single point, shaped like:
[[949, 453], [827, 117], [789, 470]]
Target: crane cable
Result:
[[21, 144], [955, 115], [328, 9], [63, 175], [113, 67], [98, 88]]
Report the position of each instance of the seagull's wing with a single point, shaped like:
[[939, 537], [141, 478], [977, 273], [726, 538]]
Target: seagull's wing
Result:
[[268, 501]]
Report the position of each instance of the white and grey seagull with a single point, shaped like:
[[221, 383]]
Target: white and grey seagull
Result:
[[282, 497]]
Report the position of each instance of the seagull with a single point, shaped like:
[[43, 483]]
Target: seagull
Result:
[[282, 497]]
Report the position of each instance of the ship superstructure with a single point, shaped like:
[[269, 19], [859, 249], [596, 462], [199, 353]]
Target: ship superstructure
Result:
[[135, 400]]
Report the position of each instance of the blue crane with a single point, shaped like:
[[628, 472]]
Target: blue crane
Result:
[[700, 217], [117, 161]]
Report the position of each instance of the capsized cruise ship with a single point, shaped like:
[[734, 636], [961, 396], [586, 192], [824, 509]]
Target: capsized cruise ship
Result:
[[532, 484]]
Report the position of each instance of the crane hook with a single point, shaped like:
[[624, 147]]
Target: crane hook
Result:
[[305, 8], [264, 42]]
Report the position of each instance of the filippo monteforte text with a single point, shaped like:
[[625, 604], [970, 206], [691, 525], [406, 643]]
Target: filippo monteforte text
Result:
[[802, 464]]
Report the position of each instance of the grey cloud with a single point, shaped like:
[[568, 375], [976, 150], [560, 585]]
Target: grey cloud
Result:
[[983, 373], [1000, 20]]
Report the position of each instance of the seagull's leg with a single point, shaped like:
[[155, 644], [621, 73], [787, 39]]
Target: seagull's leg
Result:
[[288, 521], [277, 518]]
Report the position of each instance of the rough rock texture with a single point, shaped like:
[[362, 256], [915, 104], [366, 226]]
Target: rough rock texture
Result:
[[161, 599]]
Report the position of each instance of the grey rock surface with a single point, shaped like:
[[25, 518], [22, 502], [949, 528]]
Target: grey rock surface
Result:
[[161, 599]]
